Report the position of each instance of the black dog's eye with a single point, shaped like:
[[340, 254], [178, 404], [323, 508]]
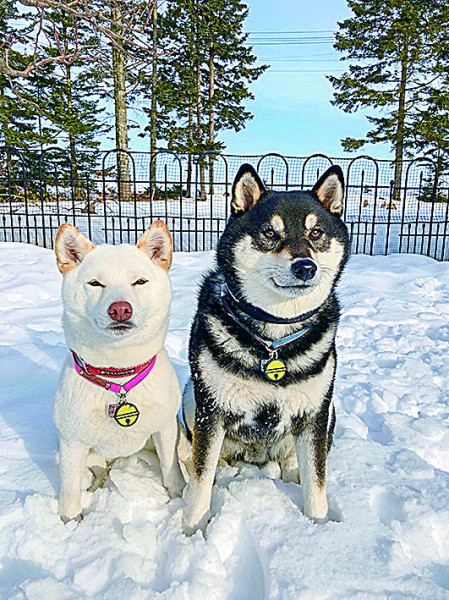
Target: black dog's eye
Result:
[[140, 281], [270, 234], [316, 233], [95, 283]]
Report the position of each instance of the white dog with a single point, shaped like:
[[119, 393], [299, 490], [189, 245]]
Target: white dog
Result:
[[118, 388]]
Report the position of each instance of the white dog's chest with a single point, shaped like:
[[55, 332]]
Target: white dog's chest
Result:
[[82, 413]]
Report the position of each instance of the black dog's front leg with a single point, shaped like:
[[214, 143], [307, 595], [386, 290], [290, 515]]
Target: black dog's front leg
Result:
[[208, 435], [313, 439]]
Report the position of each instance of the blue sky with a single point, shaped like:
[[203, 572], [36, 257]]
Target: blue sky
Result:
[[292, 110]]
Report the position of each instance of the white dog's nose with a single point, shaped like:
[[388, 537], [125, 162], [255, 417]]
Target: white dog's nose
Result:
[[120, 311]]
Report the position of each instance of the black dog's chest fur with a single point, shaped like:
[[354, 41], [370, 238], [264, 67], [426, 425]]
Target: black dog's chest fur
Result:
[[264, 423]]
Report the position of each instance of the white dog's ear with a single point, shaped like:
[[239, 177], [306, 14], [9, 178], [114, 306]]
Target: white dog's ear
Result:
[[246, 189], [158, 244], [330, 189], [71, 247]]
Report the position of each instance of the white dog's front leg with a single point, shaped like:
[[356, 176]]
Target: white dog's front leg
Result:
[[72, 462], [312, 452], [166, 442], [206, 447]]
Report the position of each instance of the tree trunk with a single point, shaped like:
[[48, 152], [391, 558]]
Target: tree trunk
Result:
[[72, 143], [121, 119], [197, 49], [39, 119], [399, 149], [153, 116], [211, 116], [189, 152], [202, 195]]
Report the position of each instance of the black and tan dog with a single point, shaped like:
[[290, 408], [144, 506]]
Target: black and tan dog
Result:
[[262, 346]]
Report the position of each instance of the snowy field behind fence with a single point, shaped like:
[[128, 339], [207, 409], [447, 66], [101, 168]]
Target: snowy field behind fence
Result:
[[33, 203]]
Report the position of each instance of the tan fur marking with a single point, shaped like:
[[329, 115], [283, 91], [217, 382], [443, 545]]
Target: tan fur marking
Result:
[[278, 224], [311, 221]]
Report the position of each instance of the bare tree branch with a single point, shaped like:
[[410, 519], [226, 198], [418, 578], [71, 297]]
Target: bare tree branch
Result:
[[120, 23]]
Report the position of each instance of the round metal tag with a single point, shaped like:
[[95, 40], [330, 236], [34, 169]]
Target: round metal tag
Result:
[[126, 414], [274, 369]]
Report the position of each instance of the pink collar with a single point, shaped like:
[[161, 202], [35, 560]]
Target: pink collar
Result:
[[109, 371], [89, 372]]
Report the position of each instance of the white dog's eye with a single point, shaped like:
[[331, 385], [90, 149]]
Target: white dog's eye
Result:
[[95, 283], [140, 281]]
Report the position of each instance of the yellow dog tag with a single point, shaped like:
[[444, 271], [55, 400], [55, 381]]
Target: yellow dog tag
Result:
[[126, 414], [273, 369]]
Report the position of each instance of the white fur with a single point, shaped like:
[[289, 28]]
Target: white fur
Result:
[[199, 491], [315, 353], [246, 193], [227, 341], [233, 394], [329, 416], [315, 499], [80, 411], [257, 270]]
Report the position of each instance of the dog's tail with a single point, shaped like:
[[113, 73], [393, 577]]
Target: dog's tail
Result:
[[186, 419]]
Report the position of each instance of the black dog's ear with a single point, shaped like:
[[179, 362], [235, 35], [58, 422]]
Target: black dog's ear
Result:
[[246, 189], [330, 189]]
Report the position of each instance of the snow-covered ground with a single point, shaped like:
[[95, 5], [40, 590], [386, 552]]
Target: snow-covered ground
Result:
[[388, 479]]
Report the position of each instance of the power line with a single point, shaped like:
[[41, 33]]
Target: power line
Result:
[[301, 56], [301, 32], [285, 43], [291, 38], [302, 71], [315, 38], [299, 59]]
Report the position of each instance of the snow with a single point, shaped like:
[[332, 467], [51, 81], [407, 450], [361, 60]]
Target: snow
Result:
[[388, 481]]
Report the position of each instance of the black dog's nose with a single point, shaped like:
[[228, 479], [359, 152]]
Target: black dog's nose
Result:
[[304, 269]]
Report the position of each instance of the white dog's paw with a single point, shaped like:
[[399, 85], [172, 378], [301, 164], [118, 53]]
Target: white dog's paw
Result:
[[175, 485], [289, 475], [69, 510], [65, 519]]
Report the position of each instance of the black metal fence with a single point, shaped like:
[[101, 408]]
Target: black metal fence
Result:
[[115, 195]]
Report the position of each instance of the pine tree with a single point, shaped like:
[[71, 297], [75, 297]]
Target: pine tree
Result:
[[20, 122], [56, 103], [394, 47], [74, 99], [204, 70]]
